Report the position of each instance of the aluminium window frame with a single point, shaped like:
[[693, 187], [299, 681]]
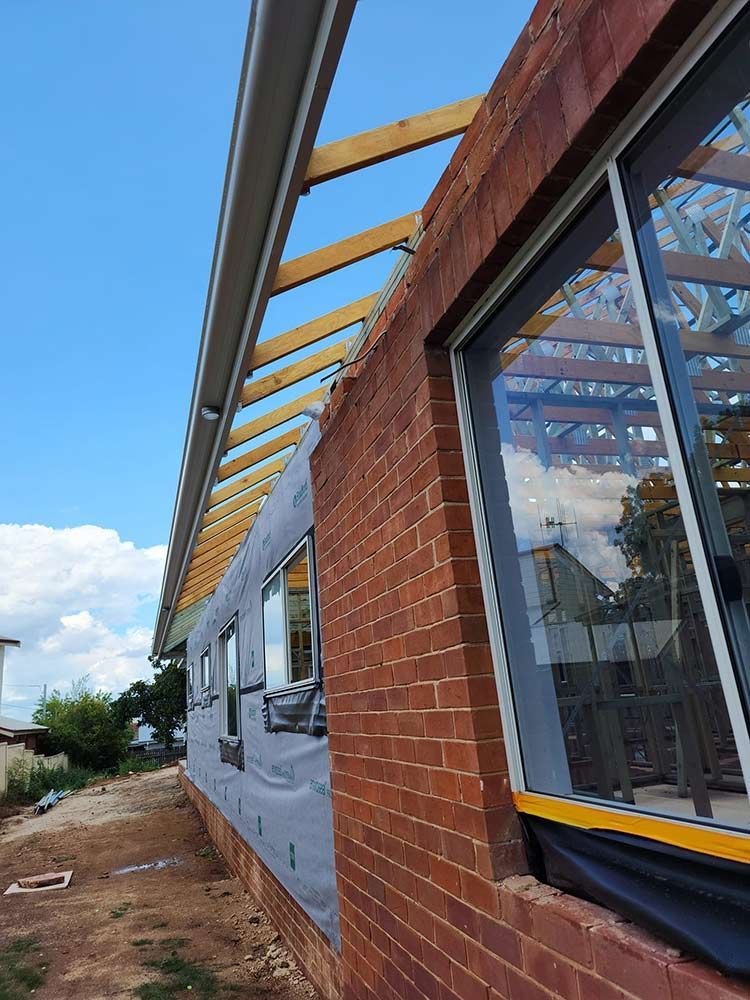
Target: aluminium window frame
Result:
[[221, 676], [307, 542], [604, 169], [206, 688], [189, 687]]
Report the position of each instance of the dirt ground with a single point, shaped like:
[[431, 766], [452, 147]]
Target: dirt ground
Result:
[[184, 928]]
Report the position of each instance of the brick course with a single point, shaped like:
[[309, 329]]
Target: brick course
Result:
[[311, 949], [430, 860]]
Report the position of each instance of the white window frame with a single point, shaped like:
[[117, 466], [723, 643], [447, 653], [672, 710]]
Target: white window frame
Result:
[[306, 543], [189, 689], [603, 168], [205, 681], [221, 676]]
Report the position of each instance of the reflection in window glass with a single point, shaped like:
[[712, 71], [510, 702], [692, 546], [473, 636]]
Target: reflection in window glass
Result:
[[299, 621], [688, 179], [189, 685], [273, 633], [231, 678], [614, 680]]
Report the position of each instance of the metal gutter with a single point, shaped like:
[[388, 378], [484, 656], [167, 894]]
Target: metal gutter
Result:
[[291, 54]]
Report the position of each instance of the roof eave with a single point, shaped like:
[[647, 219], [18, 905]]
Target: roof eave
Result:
[[291, 54]]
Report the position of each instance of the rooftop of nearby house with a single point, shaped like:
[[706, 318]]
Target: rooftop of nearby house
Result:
[[19, 727]]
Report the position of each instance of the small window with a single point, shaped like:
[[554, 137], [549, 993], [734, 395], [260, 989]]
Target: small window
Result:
[[229, 689], [288, 622], [206, 669], [189, 685]]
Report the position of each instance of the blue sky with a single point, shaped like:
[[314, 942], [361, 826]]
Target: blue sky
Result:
[[115, 128]]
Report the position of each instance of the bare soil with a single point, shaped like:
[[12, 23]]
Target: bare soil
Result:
[[189, 916]]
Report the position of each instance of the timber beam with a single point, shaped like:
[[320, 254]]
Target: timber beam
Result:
[[378, 144], [300, 270]]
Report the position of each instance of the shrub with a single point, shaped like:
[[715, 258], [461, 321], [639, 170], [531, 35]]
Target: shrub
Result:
[[83, 725]]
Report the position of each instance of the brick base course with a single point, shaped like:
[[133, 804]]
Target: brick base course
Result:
[[311, 949]]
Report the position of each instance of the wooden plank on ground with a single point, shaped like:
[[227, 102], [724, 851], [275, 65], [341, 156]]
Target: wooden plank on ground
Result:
[[375, 145], [311, 332], [313, 265]]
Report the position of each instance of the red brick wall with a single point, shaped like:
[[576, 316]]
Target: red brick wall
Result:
[[310, 947], [425, 831]]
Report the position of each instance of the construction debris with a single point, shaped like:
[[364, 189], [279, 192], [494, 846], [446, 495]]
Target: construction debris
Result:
[[50, 799], [40, 883]]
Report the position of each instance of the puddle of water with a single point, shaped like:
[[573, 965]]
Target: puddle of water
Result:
[[151, 866]]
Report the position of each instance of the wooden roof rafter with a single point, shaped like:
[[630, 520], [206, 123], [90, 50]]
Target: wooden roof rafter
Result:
[[226, 514]]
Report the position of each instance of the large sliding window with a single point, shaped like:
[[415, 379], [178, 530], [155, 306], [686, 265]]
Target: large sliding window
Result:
[[606, 398]]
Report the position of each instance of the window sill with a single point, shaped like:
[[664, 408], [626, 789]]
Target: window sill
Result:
[[688, 835], [231, 751], [313, 682]]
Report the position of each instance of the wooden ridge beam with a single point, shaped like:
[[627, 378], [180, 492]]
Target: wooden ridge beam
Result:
[[230, 522], [679, 266], [605, 333], [252, 479], [294, 373], [615, 373], [715, 166], [236, 503], [378, 144], [267, 421], [565, 445], [300, 270], [311, 332], [289, 439]]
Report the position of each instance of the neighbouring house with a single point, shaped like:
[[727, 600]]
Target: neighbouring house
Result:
[[19, 731], [466, 629]]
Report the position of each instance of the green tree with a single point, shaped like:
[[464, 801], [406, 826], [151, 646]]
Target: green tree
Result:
[[84, 725], [159, 703]]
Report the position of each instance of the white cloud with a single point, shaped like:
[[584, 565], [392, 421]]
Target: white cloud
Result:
[[81, 601], [589, 502]]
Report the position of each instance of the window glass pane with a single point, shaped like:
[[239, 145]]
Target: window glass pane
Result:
[[230, 658], [205, 669], [614, 680], [273, 633], [299, 621], [688, 181]]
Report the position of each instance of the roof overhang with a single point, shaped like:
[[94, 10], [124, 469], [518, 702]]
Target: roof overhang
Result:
[[291, 54]]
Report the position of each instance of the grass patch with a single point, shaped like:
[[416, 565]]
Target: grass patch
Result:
[[137, 765], [179, 975], [173, 943], [208, 852], [156, 927], [142, 942], [29, 785], [21, 969], [120, 910]]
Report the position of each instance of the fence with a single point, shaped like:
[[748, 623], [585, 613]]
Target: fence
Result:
[[158, 755], [12, 753]]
